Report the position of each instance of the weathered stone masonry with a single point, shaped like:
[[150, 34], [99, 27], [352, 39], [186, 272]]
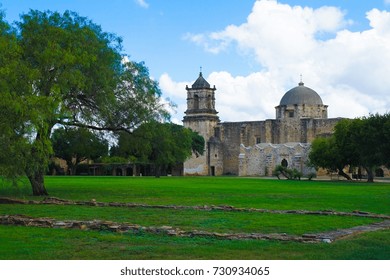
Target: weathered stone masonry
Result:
[[254, 148]]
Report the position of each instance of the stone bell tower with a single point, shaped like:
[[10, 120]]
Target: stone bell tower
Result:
[[201, 117]]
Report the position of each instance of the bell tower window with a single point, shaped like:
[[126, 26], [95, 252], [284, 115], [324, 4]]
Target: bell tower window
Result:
[[196, 102]]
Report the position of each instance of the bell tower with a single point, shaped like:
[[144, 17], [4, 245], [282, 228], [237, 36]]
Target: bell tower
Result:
[[201, 117]]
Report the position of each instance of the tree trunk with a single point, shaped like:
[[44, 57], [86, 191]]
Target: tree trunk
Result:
[[37, 183], [370, 175], [157, 170], [40, 153], [71, 169], [345, 175]]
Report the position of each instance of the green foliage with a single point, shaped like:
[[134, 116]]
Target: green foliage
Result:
[[63, 69], [290, 174], [162, 144], [359, 142], [324, 154], [198, 143], [118, 159], [75, 145]]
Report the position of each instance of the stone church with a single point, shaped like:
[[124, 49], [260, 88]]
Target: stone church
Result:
[[255, 148]]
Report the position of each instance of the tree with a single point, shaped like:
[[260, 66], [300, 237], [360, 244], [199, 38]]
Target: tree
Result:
[[197, 143], [75, 145], [161, 144], [361, 142], [289, 174], [16, 115], [325, 153], [369, 136], [63, 69]]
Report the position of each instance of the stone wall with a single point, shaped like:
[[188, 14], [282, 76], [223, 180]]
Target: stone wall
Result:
[[250, 134], [299, 111], [261, 159], [295, 123], [204, 125]]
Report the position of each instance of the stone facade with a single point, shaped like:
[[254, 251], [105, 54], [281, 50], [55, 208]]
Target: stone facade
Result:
[[254, 148], [261, 159]]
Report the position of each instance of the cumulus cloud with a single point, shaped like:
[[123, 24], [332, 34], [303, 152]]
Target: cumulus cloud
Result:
[[176, 92], [349, 69]]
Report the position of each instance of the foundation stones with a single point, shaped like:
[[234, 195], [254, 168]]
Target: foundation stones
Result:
[[325, 237]]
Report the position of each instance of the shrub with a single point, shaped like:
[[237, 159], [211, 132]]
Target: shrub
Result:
[[290, 174]]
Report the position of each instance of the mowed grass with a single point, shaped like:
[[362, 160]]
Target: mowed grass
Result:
[[234, 191], [38, 243], [211, 221], [43, 244]]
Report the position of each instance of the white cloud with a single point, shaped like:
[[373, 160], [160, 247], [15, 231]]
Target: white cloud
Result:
[[142, 3], [173, 89], [206, 43], [348, 69]]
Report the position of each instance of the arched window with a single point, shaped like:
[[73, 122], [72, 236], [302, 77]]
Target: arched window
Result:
[[209, 102], [379, 172], [284, 163], [196, 101]]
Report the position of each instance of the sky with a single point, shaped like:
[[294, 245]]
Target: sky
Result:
[[252, 51]]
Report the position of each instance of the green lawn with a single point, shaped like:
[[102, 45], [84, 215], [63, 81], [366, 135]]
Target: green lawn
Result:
[[43, 243]]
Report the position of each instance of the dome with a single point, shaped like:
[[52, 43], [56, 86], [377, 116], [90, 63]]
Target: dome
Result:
[[301, 95]]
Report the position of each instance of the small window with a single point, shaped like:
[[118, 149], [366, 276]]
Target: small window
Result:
[[258, 140], [196, 102], [291, 114]]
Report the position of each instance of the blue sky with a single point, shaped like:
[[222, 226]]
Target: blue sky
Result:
[[155, 33], [253, 51]]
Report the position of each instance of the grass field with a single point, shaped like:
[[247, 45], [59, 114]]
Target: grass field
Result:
[[49, 243]]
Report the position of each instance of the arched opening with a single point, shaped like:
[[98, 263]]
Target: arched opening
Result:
[[209, 102], [118, 172], [379, 172], [284, 162], [196, 102]]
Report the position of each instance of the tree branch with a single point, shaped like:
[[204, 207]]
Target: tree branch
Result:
[[98, 128]]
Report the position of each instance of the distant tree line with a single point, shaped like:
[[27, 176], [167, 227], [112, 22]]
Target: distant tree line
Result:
[[159, 144], [361, 142], [76, 145]]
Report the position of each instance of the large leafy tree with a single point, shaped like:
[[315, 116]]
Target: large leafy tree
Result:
[[16, 115], [369, 140], [326, 154], [63, 69], [363, 142], [75, 145], [160, 144]]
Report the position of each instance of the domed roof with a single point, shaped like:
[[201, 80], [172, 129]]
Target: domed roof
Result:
[[301, 95], [201, 82]]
